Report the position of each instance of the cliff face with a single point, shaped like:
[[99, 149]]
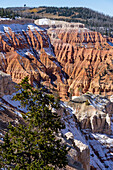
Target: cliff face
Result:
[[88, 130], [87, 58], [29, 52]]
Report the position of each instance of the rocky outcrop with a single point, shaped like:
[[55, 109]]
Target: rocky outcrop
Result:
[[96, 126], [97, 116], [100, 145], [7, 86], [44, 22], [78, 152], [96, 121]]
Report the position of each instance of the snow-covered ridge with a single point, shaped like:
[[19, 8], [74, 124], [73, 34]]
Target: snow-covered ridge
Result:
[[33, 27], [19, 27], [4, 19], [45, 21]]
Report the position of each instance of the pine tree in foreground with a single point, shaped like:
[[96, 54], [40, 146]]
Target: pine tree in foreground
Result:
[[33, 144]]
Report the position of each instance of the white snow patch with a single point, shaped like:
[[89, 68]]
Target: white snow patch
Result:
[[18, 113], [3, 19], [28, 53], [44, 21], [74, 97], [32, 28], [104, 139], [2, 55], [14, 103], [6, 29]]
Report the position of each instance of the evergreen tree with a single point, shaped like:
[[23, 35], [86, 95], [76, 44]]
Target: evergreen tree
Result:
[[33, 144], [2, 12]]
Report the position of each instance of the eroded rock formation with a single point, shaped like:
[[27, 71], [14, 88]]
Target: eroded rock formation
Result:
[[29, 53], [79, 152], [96, 125], [91, 146], [76, 63], [7, 86], [86, 57], [98, 116]]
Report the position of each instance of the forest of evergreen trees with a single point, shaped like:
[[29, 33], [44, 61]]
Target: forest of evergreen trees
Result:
[[92, 19], [7, 13]]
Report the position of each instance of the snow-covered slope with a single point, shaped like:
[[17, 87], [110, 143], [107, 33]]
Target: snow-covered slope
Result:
[[15, 104], [14, 27], [100, 145]]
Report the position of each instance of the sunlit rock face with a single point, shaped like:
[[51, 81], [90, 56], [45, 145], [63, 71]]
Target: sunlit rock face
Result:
[[26, 50], [87, 58]]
